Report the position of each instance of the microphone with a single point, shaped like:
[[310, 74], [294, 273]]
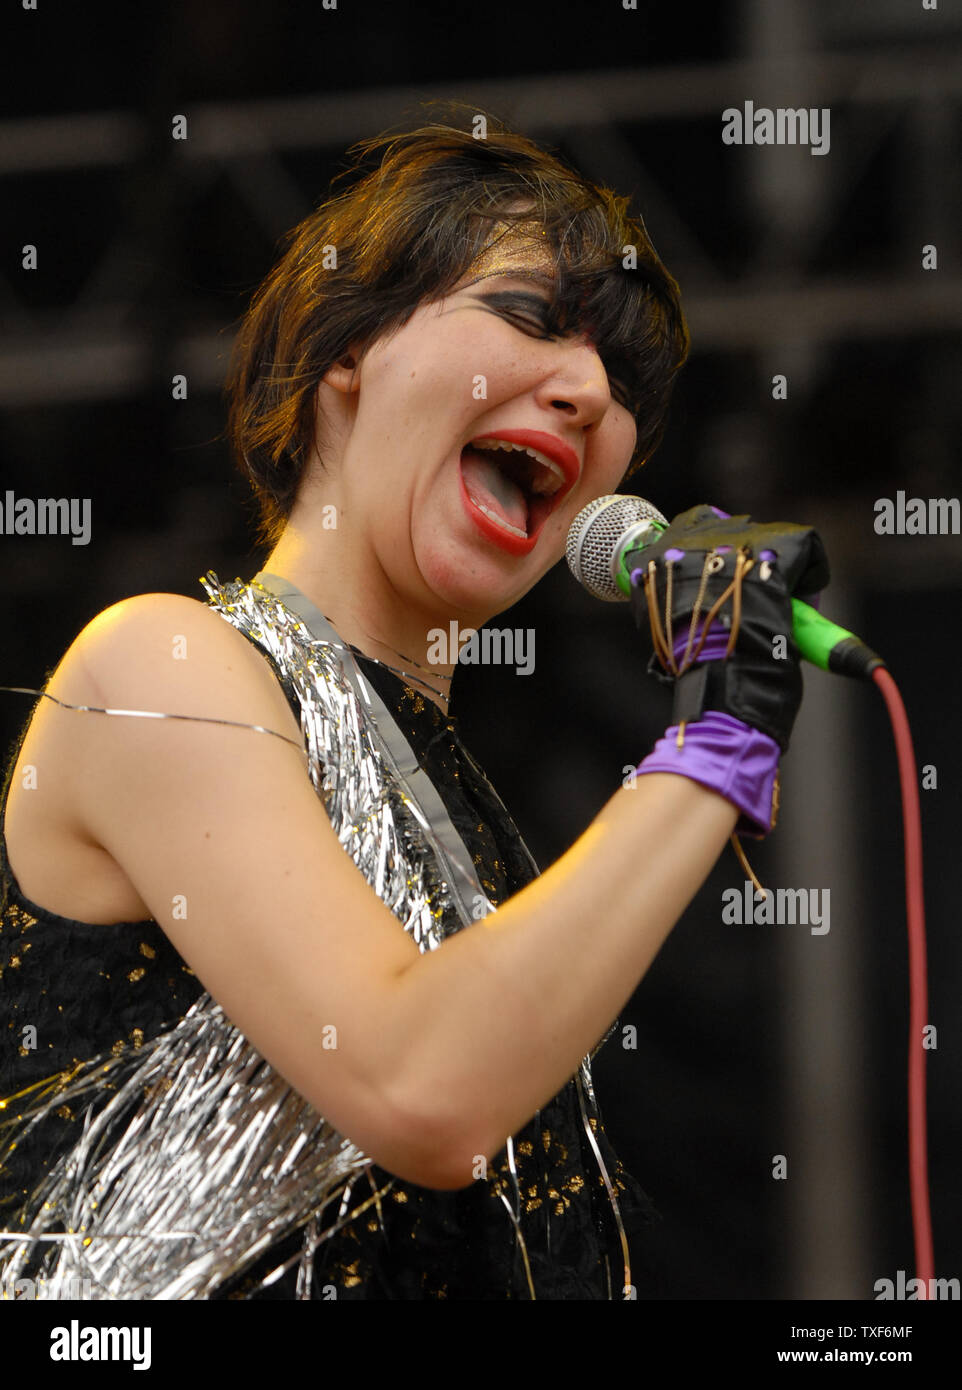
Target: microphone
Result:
[[609, 529]]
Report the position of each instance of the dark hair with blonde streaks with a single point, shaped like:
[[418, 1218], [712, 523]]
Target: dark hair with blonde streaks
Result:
[[405, 232]]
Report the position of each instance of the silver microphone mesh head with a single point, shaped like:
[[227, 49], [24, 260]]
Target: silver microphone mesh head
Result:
[[594, 536]]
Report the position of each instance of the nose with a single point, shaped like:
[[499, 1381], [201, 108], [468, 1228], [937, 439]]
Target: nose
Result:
[[578, 383]]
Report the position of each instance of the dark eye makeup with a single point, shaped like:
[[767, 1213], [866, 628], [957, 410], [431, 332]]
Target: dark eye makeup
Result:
[[535, 311], [530, 307]]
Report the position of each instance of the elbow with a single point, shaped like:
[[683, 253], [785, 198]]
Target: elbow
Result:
[[457, 1166], [435, 1147]]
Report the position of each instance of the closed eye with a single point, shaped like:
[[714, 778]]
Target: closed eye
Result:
[[533, 312], [528, 310]]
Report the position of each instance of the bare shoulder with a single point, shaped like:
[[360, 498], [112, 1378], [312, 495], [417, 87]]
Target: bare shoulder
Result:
[[152, 625], [175, 654]]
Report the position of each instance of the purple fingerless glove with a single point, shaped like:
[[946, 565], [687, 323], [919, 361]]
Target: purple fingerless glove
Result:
[[728, 757]]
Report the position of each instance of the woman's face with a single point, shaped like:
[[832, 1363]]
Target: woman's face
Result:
[[473, 529]]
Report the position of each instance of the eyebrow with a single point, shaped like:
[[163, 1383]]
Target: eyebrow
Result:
[[537, 277]]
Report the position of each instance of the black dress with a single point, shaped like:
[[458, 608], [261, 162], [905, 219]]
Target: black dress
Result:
[[87, 989]]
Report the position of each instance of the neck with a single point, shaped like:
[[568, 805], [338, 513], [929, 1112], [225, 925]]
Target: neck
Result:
[[367, 612]]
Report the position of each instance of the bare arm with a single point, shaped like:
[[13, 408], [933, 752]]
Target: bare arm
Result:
[[502, 1015], [439, 1057]]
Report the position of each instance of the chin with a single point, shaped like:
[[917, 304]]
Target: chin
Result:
[[469, 585]]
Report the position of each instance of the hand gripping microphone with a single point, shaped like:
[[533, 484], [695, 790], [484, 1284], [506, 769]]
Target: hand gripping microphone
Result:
[[605, 543]]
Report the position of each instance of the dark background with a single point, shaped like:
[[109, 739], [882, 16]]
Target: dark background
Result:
[[753, 1041]]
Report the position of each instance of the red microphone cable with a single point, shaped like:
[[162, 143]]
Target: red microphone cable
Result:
[[918, 989]]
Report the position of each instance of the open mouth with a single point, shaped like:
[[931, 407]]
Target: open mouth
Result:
[[514, 486]]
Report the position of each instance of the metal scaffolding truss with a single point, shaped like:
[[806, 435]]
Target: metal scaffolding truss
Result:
[[105, 347]]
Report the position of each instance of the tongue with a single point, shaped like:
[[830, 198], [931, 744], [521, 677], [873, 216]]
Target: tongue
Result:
[[486, 483]]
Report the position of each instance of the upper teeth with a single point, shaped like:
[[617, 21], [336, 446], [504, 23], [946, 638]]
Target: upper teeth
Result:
[[545, 483]]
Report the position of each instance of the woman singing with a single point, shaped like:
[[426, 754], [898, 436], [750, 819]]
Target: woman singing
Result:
[[291, 1013]]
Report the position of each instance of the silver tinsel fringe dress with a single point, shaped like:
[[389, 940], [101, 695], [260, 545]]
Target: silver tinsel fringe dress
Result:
[[147, 1151]]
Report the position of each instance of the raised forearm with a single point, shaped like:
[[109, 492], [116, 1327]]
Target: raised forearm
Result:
[[490, 1026]]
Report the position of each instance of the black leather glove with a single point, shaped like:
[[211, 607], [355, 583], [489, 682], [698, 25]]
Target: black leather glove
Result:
[[691, 565]]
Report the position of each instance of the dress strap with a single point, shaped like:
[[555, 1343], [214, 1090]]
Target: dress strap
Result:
[[463, 882]]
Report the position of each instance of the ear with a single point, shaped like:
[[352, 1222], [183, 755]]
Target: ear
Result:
[[343, 375]]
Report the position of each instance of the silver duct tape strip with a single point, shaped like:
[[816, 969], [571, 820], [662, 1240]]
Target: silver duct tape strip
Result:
[[455, 861]]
